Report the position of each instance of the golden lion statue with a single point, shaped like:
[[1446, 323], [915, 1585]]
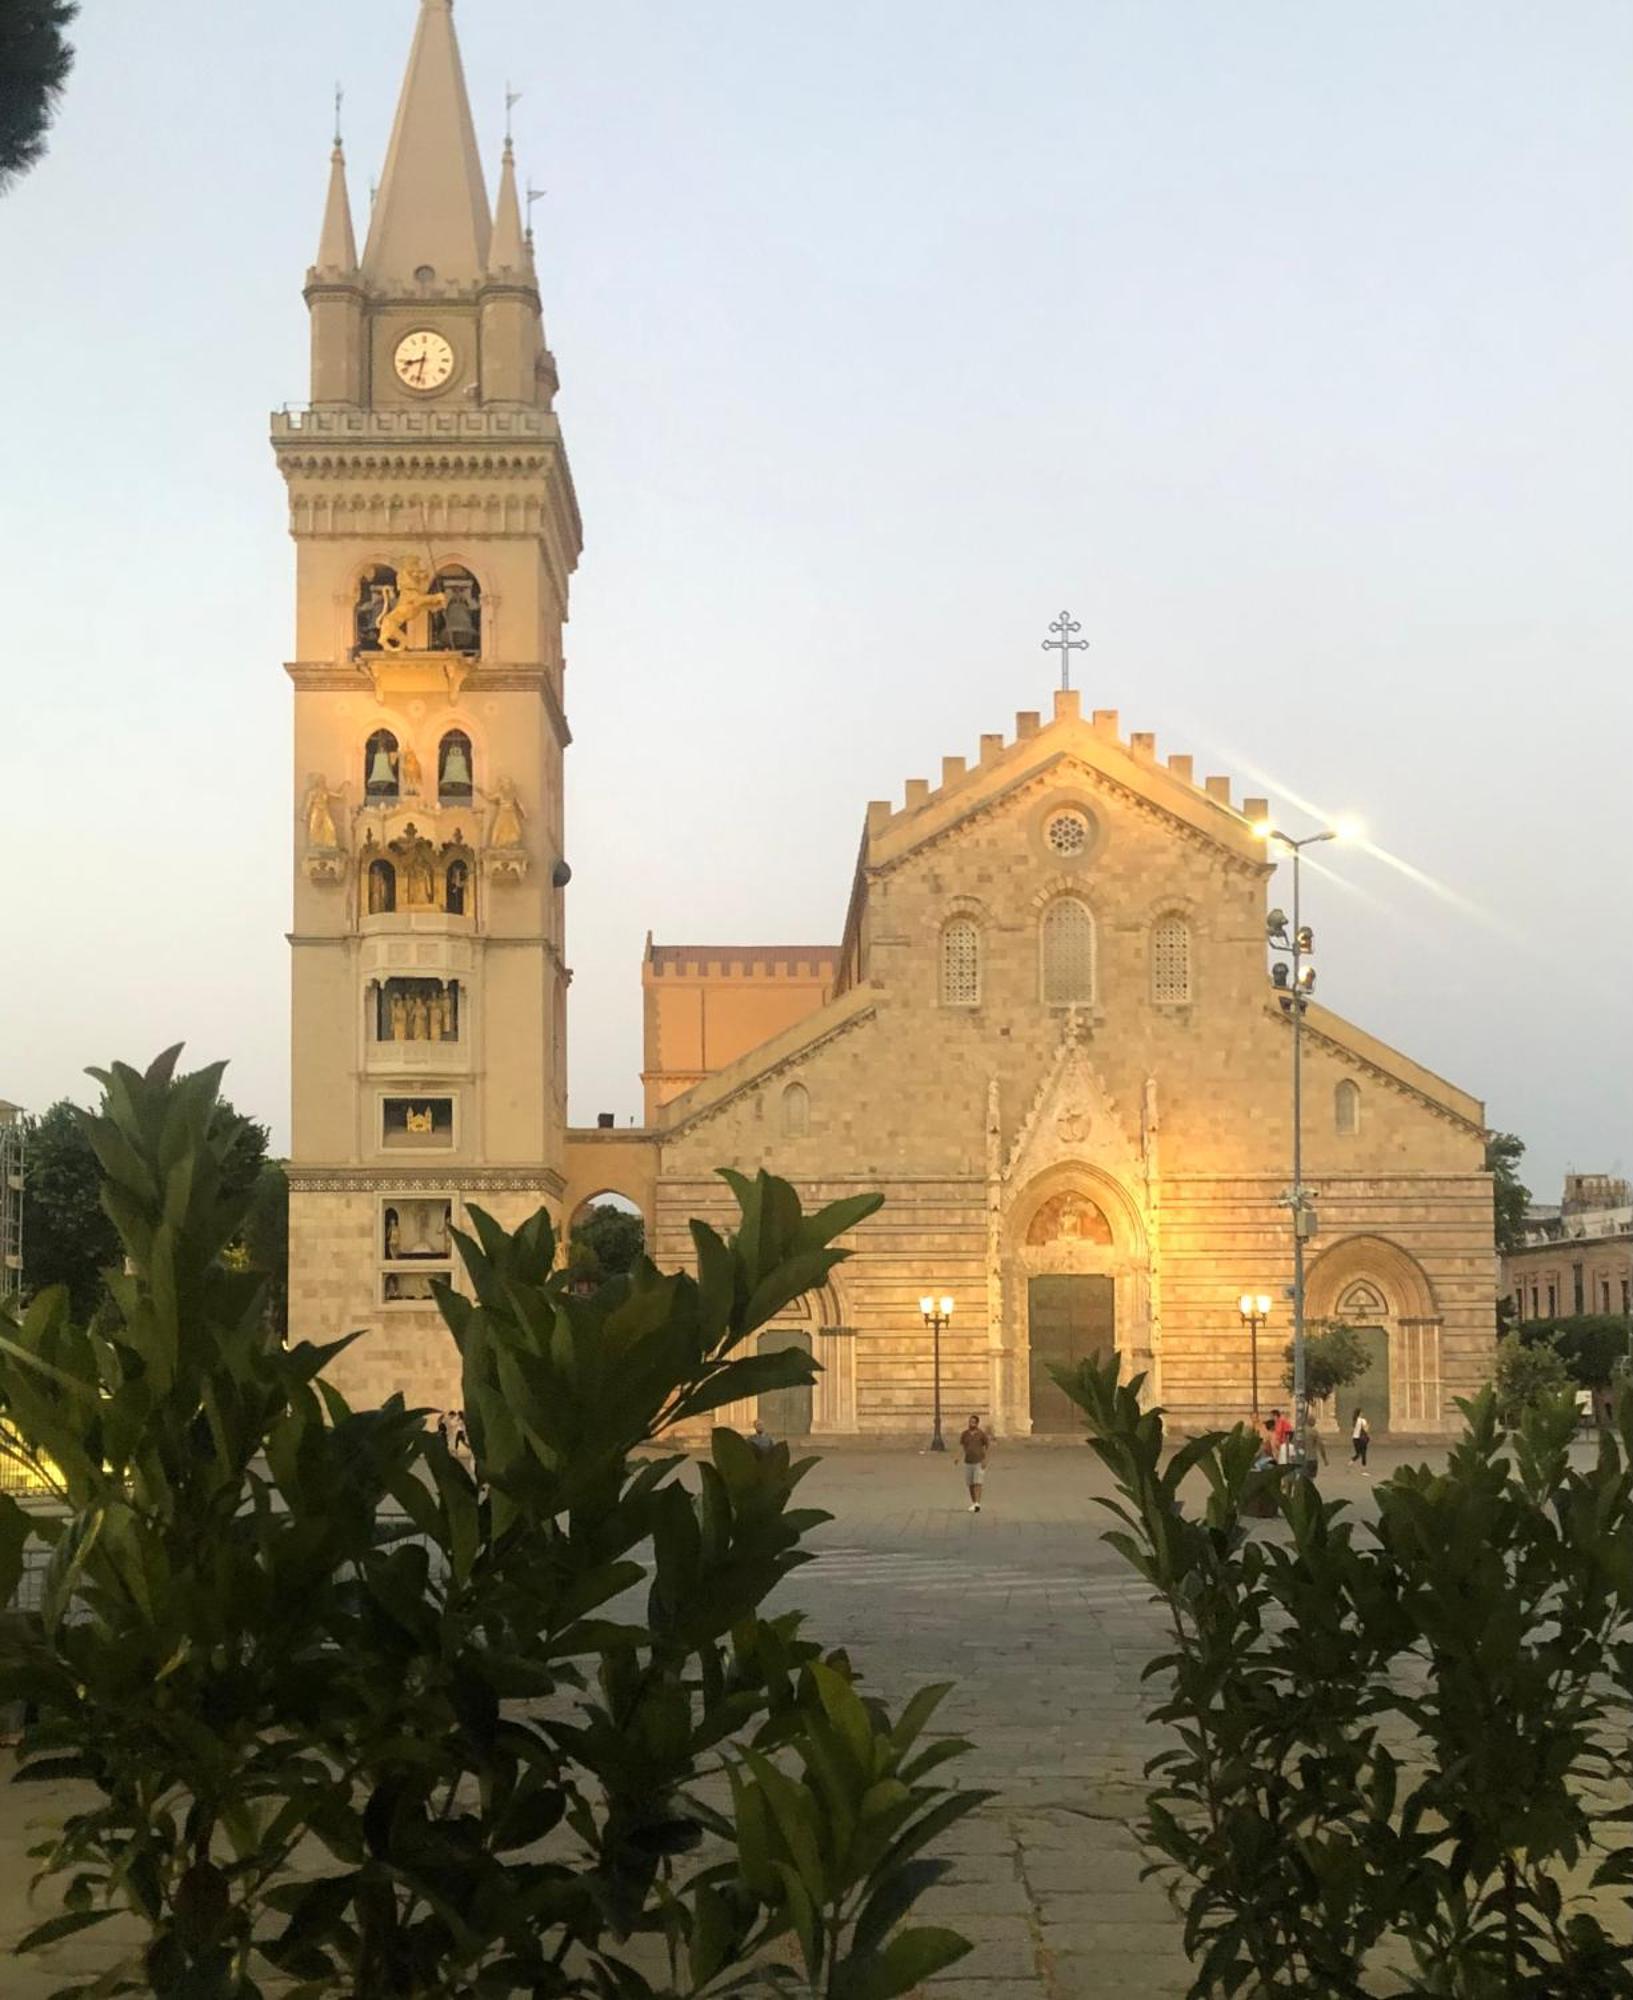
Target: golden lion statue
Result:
[[411, 599]]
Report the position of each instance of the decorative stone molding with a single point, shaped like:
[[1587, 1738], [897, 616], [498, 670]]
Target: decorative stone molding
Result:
[[1072, 1116], [450, 1181], [400, 676]]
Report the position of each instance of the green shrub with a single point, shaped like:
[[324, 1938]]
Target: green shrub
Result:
[[1394, 1742], [1334, 1357], [274, 1623], [1528, 1375], [1593, 1346]]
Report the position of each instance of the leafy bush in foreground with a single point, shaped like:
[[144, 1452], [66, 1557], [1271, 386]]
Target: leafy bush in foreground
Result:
[[363, 1717], [1398, 1742]]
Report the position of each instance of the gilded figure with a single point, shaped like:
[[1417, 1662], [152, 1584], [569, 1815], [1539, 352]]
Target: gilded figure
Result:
[[320, 819], [507, 817], [411, 600], [411, 771]]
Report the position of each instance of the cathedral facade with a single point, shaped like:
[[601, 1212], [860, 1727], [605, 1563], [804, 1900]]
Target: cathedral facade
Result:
[[1048, 1032], [1050, 1035]]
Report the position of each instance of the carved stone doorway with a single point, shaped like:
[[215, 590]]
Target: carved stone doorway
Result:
[[1371, 1392], [786, 1413], [1071, 1317]]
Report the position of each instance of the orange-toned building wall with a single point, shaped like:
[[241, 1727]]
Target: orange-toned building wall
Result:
[[706, 1005]]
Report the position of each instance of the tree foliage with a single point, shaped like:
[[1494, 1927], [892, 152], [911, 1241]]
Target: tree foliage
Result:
[[605, 1243], [524, 1720], [35, 59], [69, 1238], [1333, 1359], [1593, 1346], [1510, 1196], [1527, 1374], [1399, 1742]]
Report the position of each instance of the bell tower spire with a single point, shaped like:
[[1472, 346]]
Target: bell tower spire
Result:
[[432, 207]]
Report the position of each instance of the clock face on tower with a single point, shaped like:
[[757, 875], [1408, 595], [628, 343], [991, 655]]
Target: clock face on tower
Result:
[[423, 359]]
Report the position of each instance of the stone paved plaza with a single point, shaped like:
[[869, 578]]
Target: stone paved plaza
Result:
[[1045, 1635]]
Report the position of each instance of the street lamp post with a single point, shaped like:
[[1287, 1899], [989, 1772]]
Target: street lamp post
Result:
[[937, 1314], [1295, 982], [1255, 1310]]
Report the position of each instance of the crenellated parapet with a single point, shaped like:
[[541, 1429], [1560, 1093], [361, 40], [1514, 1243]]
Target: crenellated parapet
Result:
[[961, 778]]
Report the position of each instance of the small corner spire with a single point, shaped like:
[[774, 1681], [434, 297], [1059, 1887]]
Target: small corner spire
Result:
[[509, 251], [337, 246]]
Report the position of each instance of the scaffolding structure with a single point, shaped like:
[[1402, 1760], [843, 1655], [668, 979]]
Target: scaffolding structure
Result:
[[13, 1137]]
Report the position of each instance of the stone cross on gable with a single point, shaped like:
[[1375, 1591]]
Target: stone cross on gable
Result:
[[1064, 644]]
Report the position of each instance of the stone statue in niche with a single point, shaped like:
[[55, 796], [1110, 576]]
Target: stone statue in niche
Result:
[[320, 818], [411, 600], [399, 1018], [324, 860], [506, 859], [507, 817], [419, 869]]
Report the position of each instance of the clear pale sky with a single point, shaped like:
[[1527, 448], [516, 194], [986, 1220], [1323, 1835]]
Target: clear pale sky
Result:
[[1287, 345]]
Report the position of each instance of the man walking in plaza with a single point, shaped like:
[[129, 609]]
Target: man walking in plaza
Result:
[[977, 1444]]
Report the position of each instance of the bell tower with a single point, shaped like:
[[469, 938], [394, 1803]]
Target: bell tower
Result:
[[435, 529]]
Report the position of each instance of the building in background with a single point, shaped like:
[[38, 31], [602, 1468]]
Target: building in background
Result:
[[1577, 1257]]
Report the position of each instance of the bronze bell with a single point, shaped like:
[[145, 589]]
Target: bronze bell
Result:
[[382, 772], [460, 630], [456, 768]]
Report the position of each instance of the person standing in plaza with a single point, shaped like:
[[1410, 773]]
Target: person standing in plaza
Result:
[[977, 1446], [1360, 1438]]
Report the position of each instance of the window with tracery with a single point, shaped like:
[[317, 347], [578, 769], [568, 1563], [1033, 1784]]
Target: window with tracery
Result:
[[961, 963], [1068, 954], [796, 1111], [1067, 833], [1346, 1106], [1170, 961]]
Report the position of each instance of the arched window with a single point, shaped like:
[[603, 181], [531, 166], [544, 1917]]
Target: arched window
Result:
[[1170, 961], [960, 962], [457, 627], [457, 888], [1068, 954], [1346, 1108], [381, 766], [454, 766], [382, 888], [375, 590], [796, 1111]]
